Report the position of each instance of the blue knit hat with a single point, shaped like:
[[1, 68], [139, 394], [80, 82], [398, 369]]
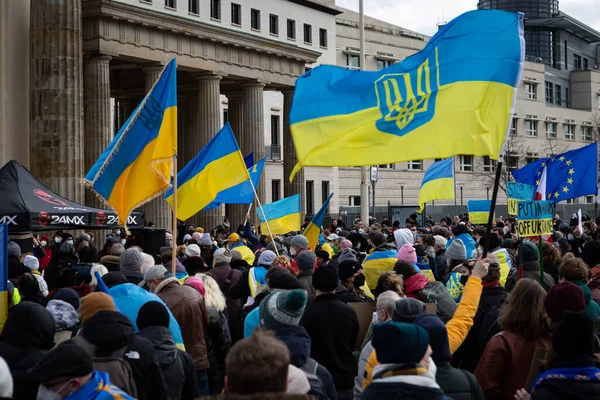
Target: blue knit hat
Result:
[[399, 343], [438, 336], [282, 309]]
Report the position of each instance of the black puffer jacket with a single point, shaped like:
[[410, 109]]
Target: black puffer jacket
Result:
[[27, 336], [531, 270], [60, 261], [110, 331], [457, 384], [177, 366], [568, 389]]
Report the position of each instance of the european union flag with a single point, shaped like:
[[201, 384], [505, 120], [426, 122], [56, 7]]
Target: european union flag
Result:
[[569, 175]]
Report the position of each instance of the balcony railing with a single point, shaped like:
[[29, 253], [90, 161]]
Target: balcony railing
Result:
[[273, 152]]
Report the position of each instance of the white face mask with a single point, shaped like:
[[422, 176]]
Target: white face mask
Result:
[[375, 319], [506, 229], [43, 243], [117, 232], [46, 394], [123, 241], [70, 241], [57, 239], [292, 252]]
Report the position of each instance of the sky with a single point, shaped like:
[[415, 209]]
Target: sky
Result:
[[423, 15]]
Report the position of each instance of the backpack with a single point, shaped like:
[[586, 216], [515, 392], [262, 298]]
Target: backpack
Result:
[[115, 364], [435, 292], [317, 390], [487, 323]]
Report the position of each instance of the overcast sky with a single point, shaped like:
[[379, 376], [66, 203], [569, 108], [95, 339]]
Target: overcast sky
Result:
[[422, 15]]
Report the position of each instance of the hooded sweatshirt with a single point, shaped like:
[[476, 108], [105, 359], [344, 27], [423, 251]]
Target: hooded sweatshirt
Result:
[[403, 236]]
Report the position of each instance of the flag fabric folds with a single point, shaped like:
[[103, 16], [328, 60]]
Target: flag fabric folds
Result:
[[241, 193], [458, 93], [438, 183], [568, 175], [479, 211], [249, 159], [283, 216], [3, 274], [219, 166], [313, 230], [136, 166]]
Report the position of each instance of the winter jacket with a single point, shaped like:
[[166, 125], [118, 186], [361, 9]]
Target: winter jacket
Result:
[[422, 387], [333, 328], [415, 284], [531, 270], [305, 279], [134, 277], [65, 318], [99, 388], [15, 268], [298, 343], [41, 282], [344, 295], [441, 263], [27, 337], [190, 312], [505, 264], [220, 273], [594, 284], [382, 259], [43, 256], [453, 285], [485, 326], [176, 365], [112, 263], [363, 358], [217, 345], [568, 387], [505, 364], [592, 308], [457, 384]]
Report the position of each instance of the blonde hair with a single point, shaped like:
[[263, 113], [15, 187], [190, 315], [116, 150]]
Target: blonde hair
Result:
[[213, 297]]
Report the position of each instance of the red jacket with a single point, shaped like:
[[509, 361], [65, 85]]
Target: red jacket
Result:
[[415, 284]]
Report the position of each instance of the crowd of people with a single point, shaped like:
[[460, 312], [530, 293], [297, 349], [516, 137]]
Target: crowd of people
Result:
[[248, 316]]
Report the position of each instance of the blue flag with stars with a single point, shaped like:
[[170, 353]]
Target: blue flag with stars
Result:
[[568, 175]]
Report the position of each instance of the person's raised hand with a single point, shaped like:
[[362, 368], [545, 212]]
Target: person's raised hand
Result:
[[480, 269], [522, 395]]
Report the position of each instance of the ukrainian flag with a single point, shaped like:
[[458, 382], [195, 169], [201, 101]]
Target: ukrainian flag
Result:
[[3, 274], [283, 216], [218, 167], [136, 166], [378, 262], [241, 193], [457, 94], [479, 211], [438, 183], [313, 230]]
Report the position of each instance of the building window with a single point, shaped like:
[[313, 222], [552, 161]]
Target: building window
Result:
[[225, 116], [586, 133], [577, 62], [353, 62], [255, 19], [466, 163], [170, 4], [589, 199], [551, 130], [310, 197], [236, 14], [586, 64], [273, 24], [291, 29], [323, 37], [568, 132], [325, 193], [599, 101], [566, 57], [193, 7], [354, 201], [489, 165], [274, 130], [215, 9], [512, 161], [387, 166], [275, 190], [513, 127], [530, 128], [557, 95], [415, 165], [530, 90], [307, 34], [549, 92], [532, 157]]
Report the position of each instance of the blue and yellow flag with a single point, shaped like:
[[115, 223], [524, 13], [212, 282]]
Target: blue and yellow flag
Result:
[[3, 274], [241, 193], [218, 167], [136, 166], [313, 230], [479, 211], [438, 183], [455, 97], [283, 216], [249, 159]]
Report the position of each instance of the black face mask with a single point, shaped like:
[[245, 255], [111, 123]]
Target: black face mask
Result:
[[464, 279], [359, 280]]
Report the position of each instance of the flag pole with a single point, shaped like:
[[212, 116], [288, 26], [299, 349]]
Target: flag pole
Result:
[[264, 216], [174, 241], [493, 206]]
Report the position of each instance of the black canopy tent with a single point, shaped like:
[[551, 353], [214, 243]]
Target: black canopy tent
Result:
[[28, 205]]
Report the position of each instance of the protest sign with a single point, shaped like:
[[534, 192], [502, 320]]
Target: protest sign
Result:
[[534, 218], [479, 211], [515, 192]]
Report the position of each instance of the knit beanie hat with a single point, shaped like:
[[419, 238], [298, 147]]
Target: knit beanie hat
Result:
[[574, 336], [93, 303], [399, 342], [282, 309], [206, 240], [14, 250], [438, 336], [348, 254], [348, 268], [457, 250], [153, 313], [325, 278], [407, 253], [114, 278], [300, 241], [31, 262], [132, 260], [197, 284], [266, 258], [283, 280], [306, 260], [563, 297], [192, 250], [68, 295], [495, 241], [530, 252], [187, 237], [407, 310], [508, 244], [222, 255]]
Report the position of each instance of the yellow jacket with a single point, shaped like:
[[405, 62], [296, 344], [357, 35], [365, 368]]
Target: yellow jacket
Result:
[[458, 327]]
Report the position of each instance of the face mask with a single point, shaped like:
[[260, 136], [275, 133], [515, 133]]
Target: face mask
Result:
[[57, 239], [43, 243], [506, 229], [46, 394], [463, 280], [359, 280], [375, 319], [123, 241], [70, 241], [292, 252], [117, 232], [170, 243]]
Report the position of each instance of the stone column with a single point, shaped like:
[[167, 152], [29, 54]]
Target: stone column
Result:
[[56, 79], [97, 115], [235, 112], [290, 159], [181, 115], [157, 210], [209, 123], [191, 135], [253, 138]]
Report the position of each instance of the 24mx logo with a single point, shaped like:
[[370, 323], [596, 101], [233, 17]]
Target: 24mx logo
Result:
[[7, 219], [114, 220], [67, 220]]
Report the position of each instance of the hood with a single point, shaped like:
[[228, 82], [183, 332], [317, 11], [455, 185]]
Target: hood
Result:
[[587, 293], [403, 236], [416, 283], [425, 380], [298, 343], [385, 247], [29, 325], [531, 265], [297, 382], [178, 266], [64, 314], [109, 330], [162, 342]]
